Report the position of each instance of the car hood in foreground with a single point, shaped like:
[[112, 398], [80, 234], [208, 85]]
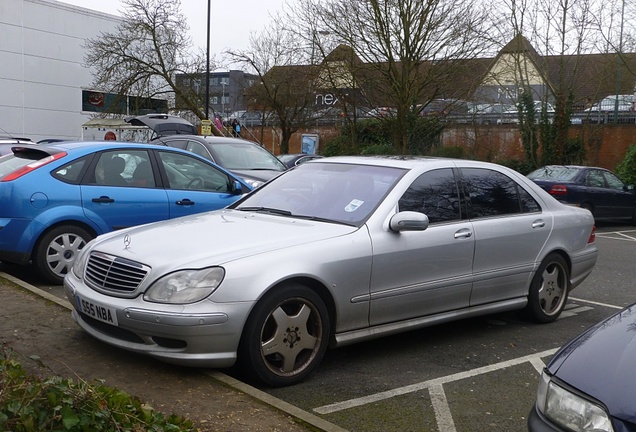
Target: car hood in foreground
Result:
[[601, 363], [213, 238]]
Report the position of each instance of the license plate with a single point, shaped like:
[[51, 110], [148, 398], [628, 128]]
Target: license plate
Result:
[[97, 311]]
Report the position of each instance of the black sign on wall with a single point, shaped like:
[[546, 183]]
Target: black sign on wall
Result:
[[93, 101]]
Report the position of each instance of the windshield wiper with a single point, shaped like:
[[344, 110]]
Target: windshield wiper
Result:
[[266, 210]]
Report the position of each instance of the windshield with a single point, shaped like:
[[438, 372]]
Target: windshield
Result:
[[346, 193], [554, 173], [246, 156]]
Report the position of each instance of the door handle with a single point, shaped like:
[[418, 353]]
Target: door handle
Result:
[[538, 224], [463, 233], [103, 199], [184, 202]]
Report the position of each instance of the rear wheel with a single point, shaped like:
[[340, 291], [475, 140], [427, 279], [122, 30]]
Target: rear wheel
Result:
[[56, 251], [549, 289], [588, 206], [286, 336]]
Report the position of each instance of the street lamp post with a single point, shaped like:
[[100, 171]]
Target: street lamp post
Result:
[[620, 61], [223, 83], [207, 70]]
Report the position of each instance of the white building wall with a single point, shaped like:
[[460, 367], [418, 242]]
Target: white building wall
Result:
[[41, 71]]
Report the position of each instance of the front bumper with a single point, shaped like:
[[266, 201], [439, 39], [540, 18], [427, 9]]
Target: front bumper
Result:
[[538, 423], [203, 334]]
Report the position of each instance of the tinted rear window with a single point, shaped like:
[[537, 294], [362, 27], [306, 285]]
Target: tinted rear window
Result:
[[10, 163], [554, 173]]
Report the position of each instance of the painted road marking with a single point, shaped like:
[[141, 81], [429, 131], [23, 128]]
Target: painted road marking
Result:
[[435, 387], [618, 235], [427, 385], [597, 303]]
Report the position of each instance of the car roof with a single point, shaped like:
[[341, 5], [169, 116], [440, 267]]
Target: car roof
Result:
[[162, 124], [212, 139], [75, 146], [407, 162]]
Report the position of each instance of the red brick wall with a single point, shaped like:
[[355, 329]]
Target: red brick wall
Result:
[[605, 144]]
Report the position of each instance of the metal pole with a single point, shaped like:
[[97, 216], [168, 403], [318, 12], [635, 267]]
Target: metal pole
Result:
[[223, 84], [207, 70], [620, 61]]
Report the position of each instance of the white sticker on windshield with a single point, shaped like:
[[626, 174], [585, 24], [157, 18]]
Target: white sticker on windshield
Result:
[[353, 205]]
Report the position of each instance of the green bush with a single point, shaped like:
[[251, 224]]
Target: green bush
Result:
[[30, 404], [626, 169]]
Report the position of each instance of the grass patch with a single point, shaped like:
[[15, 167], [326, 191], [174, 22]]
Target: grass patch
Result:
[[29, 403]]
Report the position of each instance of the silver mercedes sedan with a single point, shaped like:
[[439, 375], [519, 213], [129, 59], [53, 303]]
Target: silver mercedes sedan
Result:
[[335, 251]]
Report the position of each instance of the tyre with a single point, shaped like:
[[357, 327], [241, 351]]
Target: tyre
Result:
[[56, 250], [285, 337], [588, 206], [549, 289]]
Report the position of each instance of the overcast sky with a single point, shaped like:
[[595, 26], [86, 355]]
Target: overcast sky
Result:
[[231, 21]]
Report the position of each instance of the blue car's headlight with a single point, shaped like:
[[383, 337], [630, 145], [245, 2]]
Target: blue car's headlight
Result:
[[569, 410], [185, 286]]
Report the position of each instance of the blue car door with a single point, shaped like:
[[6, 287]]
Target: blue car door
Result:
[[194, 185], [121, 189]]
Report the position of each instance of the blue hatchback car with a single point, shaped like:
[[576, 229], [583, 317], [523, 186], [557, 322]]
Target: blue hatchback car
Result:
[[56, 198]]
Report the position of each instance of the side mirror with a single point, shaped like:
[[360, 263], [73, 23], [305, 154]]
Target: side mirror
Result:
[[408, 221], [237, 188]]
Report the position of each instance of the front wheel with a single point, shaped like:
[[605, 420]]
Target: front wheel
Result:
[[56, 251], [549, 289], [285, 337]]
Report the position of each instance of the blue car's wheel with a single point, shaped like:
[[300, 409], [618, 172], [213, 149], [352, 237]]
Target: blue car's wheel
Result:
[[56, 250]]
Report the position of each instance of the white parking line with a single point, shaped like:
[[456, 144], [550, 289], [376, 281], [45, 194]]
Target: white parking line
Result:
[[596, 303], [618, 235], [435, 383], [442, 410]]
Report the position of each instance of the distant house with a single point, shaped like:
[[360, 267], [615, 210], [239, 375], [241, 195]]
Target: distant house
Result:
[[344, 78]]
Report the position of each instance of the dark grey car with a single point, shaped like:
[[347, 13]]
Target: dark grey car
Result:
[[244, 158]]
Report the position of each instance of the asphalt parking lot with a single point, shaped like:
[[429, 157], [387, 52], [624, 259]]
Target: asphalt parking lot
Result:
[[477, 375]]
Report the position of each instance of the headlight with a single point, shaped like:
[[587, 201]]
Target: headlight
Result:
[[185, 286], [569, 410], [80, 262], [254, 183]]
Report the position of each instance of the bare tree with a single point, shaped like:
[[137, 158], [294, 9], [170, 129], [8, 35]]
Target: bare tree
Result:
[[285, 88], [149, 49], [408, 49]]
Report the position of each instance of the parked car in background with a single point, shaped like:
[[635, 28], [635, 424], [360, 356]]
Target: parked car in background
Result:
[[609, 104], [56, 198], [511, 115], [246, 159], [588, 384], [382, 112], [6, 143], [596, 189], [292, 160], [163, 124], [445, 107], [334, 251], [489, 113]]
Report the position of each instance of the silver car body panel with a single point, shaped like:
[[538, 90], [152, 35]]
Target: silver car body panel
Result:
[[378, 281]]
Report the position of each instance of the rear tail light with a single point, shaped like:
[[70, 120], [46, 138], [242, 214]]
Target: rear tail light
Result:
[[592, 238], [558, 190], [32, 167]]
